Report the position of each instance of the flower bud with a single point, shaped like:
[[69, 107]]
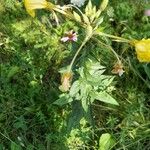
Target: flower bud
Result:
[[65, 81]]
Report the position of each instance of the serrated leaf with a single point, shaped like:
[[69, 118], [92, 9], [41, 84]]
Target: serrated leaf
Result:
[[74, 88], [106, 142], [104, 97], [64, 99], [76, 16], [106, 80], [93, 66], [94, 70]]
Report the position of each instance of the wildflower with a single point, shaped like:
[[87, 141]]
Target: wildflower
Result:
[[118, 69], [79, 3], [65, 81], [31, 5], [70, 36], [147, 12], [142, 48]]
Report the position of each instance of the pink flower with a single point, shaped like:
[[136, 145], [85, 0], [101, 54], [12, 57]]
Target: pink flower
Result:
[[69, 36], [147, 12]]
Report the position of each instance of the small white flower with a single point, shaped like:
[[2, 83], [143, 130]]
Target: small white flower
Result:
[[79, 3]]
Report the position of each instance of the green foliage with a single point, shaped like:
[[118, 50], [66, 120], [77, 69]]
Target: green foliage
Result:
[[15, 146], [91, 85], [106, 142], [31, 56], [147, 70], [79, 137]]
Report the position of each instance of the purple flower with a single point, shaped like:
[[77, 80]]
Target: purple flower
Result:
[[147, 12], [69, 36]]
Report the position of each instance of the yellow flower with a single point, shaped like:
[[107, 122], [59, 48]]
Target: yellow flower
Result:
[[31, 5], [142, 48]]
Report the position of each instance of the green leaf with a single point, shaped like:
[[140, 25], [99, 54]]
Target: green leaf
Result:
[[74, 88], [85, 90], [106, 142], [85, 19], [104, 5], [98, 13], [76, 16], [89, 31], [75, 116], [104, 97], [88, 9], [13, 71], [106, 80], [85, 104], [92, 66], [14, 146], [64, 99], [99, 21], [1, 146], [147, 70], [93, 15]]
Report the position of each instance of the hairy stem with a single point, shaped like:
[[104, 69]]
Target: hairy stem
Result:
[[78, 51], [119, 39], [116, 55]]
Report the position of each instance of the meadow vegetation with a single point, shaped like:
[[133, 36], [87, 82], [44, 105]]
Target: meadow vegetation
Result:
[[87, 93]]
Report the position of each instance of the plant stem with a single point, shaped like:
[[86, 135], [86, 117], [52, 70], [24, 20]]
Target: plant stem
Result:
[[116, 55], [78, 51], [120, 39]]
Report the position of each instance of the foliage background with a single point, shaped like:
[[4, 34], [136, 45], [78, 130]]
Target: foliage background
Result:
[[31, 55]]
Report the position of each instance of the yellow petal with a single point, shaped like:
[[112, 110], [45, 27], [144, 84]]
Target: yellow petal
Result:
[[143, 50], [31, 12], [31, 5]]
